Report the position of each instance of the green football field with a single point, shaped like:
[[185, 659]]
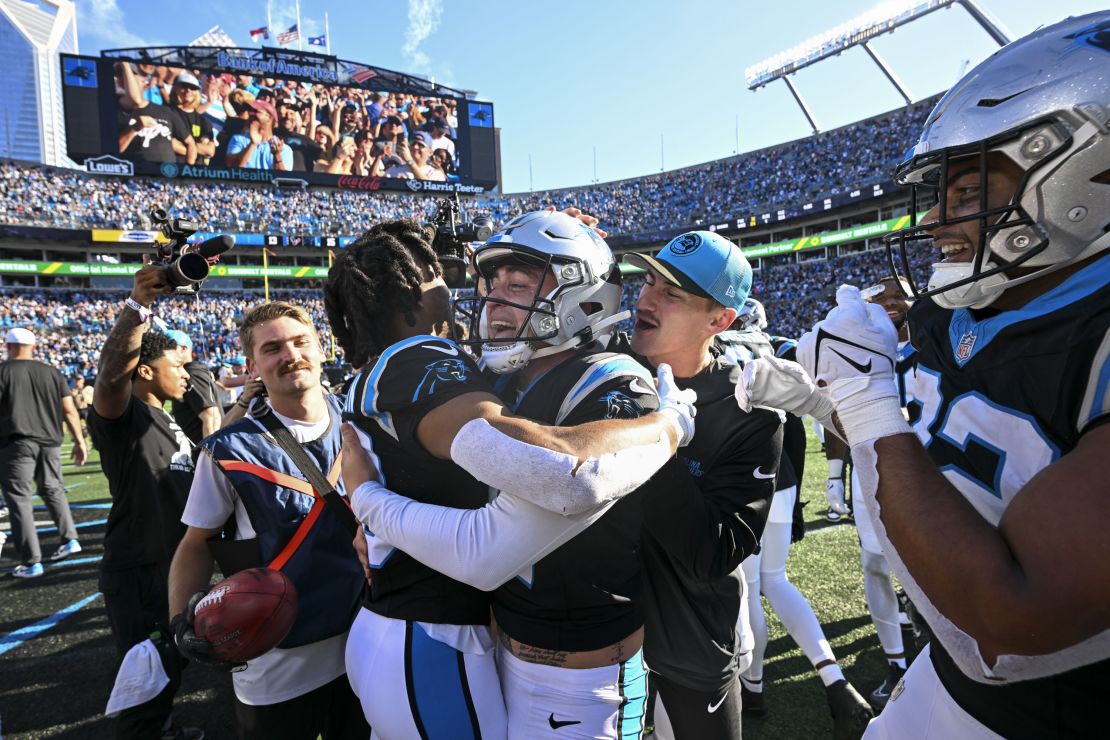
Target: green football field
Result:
[[57, 679]]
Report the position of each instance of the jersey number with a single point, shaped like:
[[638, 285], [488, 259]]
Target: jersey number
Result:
[[992, 451]]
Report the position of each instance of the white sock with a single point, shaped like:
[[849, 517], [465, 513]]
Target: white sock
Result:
[[830, 674], [900, 662], [754, 686], [836, 468]]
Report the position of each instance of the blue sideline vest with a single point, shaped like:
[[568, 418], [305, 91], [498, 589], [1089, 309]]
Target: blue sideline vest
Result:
[[295, 531]]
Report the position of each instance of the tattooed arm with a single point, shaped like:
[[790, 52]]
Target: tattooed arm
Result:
[[120, 355]]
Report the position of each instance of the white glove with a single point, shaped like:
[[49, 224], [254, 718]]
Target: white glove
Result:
[[834, 494], [851, 353], [676, 403], [771, 383]]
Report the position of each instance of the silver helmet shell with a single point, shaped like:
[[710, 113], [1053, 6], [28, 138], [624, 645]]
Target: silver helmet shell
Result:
[[583, 306], [1044, 102]]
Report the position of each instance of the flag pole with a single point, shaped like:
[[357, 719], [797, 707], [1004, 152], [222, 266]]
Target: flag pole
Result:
[[266, 273], [331, 254], [269, 22], [327, 41], [300, 31]]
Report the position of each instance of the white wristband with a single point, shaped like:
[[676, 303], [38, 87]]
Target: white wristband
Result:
[[143, 311]]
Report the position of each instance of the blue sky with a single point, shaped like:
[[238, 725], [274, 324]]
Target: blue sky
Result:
[[614, 75]]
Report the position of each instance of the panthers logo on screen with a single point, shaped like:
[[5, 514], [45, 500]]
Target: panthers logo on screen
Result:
[[441, 372], [620, 406]]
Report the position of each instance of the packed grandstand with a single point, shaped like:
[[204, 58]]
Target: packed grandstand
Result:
[[73, 321]]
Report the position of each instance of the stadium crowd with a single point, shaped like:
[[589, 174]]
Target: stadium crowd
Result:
[[794, 172], [173, 115], [72, 324]]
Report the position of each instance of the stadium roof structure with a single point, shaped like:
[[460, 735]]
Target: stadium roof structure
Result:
[[286, 63], [859, 31]]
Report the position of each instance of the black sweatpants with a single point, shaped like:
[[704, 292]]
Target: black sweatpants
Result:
[[332, 712], [136, 601], [695, 715]]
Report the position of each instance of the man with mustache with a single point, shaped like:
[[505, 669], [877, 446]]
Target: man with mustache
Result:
[[251, 505]]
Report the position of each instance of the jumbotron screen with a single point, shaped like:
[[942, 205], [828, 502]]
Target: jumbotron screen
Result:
[[254, 115]]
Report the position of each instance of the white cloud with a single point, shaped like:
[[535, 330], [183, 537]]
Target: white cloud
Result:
[[102, 22], [424, 18]]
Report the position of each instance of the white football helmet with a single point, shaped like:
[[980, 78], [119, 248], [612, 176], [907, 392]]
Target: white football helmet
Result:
[[1044, 102], [581, 309], [751, 317]]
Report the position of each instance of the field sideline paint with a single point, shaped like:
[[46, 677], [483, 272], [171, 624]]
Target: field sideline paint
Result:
[[12, 640]]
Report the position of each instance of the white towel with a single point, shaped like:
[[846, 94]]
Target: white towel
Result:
[[141, 677]]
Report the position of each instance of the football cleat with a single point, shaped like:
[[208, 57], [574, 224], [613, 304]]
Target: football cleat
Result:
[[881, 695], [752, 702], [850, 712]]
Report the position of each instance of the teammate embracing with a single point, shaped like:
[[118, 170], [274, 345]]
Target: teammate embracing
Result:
[[701, 516], [708, 519], [420, 653]]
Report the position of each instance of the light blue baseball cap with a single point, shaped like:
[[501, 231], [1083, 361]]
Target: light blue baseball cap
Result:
[[703, 263], [180, 338]]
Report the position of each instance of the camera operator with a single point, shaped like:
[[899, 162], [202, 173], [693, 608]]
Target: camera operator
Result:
[[146, 458]]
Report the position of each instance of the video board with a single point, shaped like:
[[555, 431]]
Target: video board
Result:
[[255, 115]]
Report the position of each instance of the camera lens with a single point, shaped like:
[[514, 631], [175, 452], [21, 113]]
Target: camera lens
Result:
[[189, 268]]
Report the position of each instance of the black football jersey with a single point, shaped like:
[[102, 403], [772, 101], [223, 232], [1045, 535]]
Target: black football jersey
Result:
[[1003, 395], [905, 360], [387, 400], [586, 594], [739, 347], [700, 522]]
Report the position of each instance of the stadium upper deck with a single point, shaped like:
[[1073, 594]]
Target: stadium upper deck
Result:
[[794, 172]]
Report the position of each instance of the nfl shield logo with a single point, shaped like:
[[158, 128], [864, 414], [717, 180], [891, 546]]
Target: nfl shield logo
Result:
[[966, 345]]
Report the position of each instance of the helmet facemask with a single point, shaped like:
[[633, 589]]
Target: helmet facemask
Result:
[[1010, 236], [565, 318]]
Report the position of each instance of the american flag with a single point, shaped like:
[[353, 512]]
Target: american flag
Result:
[[286, 37], [362, 74]]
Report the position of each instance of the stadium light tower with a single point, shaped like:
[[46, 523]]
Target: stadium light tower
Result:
[[860, 31]]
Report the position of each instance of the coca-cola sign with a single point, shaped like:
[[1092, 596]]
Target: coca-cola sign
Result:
[[356, 182]]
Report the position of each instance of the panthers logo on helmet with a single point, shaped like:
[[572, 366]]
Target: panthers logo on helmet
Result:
[[1096, 34], [620, 406], [685, 244], [441, 371]]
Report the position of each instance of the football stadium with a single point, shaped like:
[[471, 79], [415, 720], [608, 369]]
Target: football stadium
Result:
[[315, 423]]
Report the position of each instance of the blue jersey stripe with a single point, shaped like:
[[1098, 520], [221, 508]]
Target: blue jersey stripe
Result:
[[1090, 279], [438, 688], [633, 691]]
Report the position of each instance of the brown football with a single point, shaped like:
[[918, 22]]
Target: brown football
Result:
[[247, 614]]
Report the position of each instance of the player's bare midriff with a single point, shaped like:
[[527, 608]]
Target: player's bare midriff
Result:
[[618, 652]]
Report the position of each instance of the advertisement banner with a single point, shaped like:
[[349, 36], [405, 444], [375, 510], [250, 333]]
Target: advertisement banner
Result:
[[135, 236], [830, 238], [100, 269]]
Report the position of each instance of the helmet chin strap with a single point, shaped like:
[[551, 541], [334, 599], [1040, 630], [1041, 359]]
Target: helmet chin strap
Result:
[[516, 355], [982, 293], [978, 294], [573, 342]]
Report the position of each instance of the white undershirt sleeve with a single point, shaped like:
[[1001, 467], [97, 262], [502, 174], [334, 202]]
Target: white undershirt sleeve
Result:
[[481, 547], [555, 481]]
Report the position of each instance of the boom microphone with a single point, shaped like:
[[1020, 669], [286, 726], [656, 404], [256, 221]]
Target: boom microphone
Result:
[[215, 246]]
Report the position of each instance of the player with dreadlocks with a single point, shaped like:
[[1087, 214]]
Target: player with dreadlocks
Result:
[[420, 653]]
